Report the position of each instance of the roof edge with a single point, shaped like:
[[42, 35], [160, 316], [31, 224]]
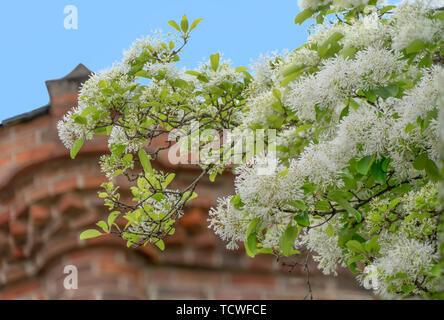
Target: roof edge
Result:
[[25, 117]]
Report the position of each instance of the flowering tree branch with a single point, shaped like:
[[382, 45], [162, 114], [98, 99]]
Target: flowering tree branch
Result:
[[355, 174]]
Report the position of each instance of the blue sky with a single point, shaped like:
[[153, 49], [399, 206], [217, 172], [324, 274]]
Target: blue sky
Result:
[[36, 46]]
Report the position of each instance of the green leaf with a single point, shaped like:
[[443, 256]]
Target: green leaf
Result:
[[354, 259], [304, 15], [415, 46], [370, 95], [253, 225], [77, 145], [251, 240], [173, 24], [278, 107], [241, 69], [236, 201], [102, 224], [193, 73], [277, 94], [214, 59], [344, 113], [118, 149], [187, 193], [212, 176], [79, 119], [408, 288], [184, 24], [377, 173], [142, 73], [291, 77], [339, 198], [251, 245], [195, 23], [439, 15], [387, 91], [265, 250], [90, 233], [393, 203], [103, 84], [420, 161], [348, 52], [180, 83], [103, 195], [350, 183], [288, 238], [303, 128], [385, 9], [426, 62], [322, 205], [294, 68], [364, 164], [298, 204], [435, 271], [432, 170], [112, 217], [329, 230], [168, 179], [355, 246], [160, 244], [354, 268], [372, 245], [158, 196], [145, 161], [330, 46], [302, 220], [354, 104]]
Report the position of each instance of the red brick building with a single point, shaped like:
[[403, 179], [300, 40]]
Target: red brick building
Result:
[[47, 199]]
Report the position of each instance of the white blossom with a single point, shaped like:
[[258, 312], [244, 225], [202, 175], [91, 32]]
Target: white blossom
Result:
[[410, 22]]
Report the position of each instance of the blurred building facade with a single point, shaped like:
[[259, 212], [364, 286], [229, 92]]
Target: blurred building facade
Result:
[[47, 199]]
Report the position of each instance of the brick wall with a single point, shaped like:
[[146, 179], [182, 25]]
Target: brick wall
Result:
[[46, 200]]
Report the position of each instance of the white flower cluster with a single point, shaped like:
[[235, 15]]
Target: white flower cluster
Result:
[[155, 212], [327, 252], [368, 30], [385, 127], [404, 256], [340, 78], [229, 223], [417, 103], [403, 259], [268, 75], [264, 69], [340, 4], [119, 135], [411, 21], [154, 43], [260, 109], [353, 91], [224, 74], [90, 96], [363, 132]]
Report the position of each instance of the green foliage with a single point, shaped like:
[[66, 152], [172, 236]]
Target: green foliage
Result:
[[357, 208], [304, 15], [76, 147], [251, 237], [287, 240], [90, 233]]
